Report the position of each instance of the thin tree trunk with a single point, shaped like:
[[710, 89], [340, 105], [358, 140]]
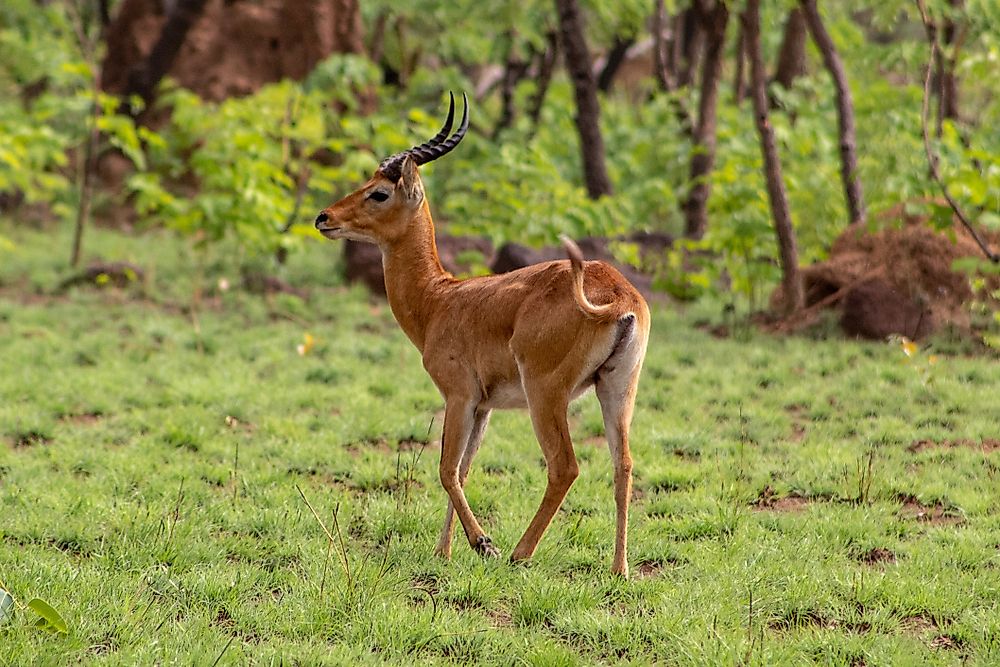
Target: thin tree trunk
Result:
[[588, 111], [788, 250], [88, 164], [144, 77], [661, 49], [348, 29], [739, 74], [688, 41], [845, 113], [703, 157], [667, 55], [376, 45], [88, 167], [104, 14], [515, 69], [953, 36], [614, 60], [792, 54], [546, 66]]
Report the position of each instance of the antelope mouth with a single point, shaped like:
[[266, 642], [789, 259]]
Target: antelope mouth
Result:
[[326, 227]]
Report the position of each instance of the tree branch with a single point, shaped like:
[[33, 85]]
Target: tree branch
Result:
[[932, 158]]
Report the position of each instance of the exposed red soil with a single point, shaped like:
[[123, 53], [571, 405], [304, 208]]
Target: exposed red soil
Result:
[[29, 439], [82, 419], [877, 556], [936, 514], [985, 445], [653, 567], [798, 432], [767, 501]]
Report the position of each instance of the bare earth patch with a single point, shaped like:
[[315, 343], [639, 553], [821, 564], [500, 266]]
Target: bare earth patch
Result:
[[500, 618], [986, 445], [378, 444], [410, 445], [82, 419], [798, 432], [767, 501], [918, 625], [948, 642], [27, 439], [877, 556], [652, 567], [814, 619], [936, 514], [922, 625]]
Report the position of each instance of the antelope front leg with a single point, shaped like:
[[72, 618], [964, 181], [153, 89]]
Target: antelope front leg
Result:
[[480, 420], [459, 430]]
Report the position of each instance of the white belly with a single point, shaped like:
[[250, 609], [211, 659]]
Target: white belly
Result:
[[505, 397], [511, 396]]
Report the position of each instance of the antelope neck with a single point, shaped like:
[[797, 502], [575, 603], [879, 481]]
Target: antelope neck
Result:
[[414, 276]]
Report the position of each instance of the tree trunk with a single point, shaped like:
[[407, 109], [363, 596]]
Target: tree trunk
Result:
[[515, 69], [104, 14], [792, 55], [546, 65], [588, 111], [791, 281], [347, 26], [714, 19], [376, 45], [688, 39], [739, 74], [616, 56], [144, 77], [662, 70], [845, 113], [952, 36]]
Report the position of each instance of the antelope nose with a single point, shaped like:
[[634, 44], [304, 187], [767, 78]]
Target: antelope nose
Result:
[[321, 218]]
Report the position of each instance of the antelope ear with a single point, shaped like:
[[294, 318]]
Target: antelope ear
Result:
[[409, 182]]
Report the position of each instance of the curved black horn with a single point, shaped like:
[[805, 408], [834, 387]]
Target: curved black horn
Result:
[[449, 144], [443, 134], [434, 147]]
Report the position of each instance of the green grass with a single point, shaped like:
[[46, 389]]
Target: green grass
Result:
[[165, 532]]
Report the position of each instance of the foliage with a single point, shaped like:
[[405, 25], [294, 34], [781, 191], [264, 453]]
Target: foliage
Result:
[[257, 168]]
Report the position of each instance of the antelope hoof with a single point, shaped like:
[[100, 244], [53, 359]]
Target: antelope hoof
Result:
[[484, 547], [443, 553]]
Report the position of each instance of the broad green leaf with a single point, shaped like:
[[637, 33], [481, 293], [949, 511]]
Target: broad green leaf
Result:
[[50, 619]]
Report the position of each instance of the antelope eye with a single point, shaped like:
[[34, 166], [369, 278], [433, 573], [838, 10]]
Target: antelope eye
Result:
[[378, 195]]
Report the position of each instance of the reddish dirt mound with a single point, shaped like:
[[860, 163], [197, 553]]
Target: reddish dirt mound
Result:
[[895, 281], [235, 47]]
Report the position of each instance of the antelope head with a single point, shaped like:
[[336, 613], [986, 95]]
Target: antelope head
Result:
[[381, 209]]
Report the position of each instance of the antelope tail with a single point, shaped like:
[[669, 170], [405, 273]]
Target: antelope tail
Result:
[[603, 312]]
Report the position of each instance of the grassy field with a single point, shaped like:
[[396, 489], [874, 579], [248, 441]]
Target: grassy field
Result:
[[797, 501]]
